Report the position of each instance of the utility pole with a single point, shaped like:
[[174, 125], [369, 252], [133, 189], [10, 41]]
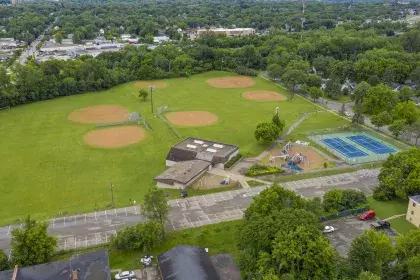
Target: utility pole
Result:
[[112, 192], [151, 88]]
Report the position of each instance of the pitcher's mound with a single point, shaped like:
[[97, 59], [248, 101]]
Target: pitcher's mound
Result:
[[231, 82], [99, 114], [115, 137], [191, 118], [146, 84], [264, 95]]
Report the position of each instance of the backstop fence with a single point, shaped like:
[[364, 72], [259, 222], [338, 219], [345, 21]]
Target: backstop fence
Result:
[[160, 111]]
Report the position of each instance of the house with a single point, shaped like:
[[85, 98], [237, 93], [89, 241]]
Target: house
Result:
[[90, 266], [186, 263], [125, 37], [160, 39], [413, 211], [226, 31]]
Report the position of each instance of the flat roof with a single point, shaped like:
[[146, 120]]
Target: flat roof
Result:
[[199, 145], [184, 171], [415, 198]]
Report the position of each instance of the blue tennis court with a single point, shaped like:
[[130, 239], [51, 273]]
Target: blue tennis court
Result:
[[371, 144], [343, 147]]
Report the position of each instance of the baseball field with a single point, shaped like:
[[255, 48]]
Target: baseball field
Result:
[[56, 161]]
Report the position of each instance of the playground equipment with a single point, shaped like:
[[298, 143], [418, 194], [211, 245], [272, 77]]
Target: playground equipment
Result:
[[225, 181], [284, 153], [297, 159]]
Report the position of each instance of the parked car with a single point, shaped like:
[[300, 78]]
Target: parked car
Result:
[[125, 275], [328, 229], [367, 215], [381, 225]]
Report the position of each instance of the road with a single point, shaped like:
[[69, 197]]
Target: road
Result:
[[96, 228]]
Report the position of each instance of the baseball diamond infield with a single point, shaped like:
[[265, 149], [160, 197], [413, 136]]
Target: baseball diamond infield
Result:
[[192, 118], [231, 82], [99, 114], [115, 137], [146, 84], [264, 96]]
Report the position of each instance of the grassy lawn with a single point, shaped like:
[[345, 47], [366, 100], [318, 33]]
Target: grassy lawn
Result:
[[48, 170], [173, 194], [401, 225], [253, 183], [385, 209], [301, 176]]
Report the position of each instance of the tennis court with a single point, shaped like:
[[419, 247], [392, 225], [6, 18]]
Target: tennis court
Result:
[[371, 145], [344, 148]]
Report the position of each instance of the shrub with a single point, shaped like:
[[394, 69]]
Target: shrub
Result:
[[260, 169], [340, 200], [233, 160]]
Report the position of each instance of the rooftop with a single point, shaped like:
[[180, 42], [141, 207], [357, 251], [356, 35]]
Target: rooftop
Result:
[[205, 146], [90, 266], [415, 198], [184, 171]]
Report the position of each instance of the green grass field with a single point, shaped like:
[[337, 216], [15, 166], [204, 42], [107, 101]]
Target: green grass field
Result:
[[47, 170], [401, 225], [386, 209]]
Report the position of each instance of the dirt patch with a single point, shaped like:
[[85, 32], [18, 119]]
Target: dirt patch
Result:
[[146, 84], [315, 160], [99, 114], [192, 118], [231, 82], [264, 95], [115, 137], [212, 181]]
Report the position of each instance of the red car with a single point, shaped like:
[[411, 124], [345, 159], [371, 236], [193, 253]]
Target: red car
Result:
[[367, 215]]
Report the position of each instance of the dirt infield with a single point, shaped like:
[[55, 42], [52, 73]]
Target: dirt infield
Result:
[[264, 96], [99, 114], [314, 158], [146, 84], [231, 82], [192, 118], [115, 137]]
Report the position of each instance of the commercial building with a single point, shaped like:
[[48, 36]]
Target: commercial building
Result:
[[226, 31], [413, 211]]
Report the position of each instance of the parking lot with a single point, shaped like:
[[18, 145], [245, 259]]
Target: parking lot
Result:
[[346, 230]]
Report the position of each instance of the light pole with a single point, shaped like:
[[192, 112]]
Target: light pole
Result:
[[112, 192], [151, 88]]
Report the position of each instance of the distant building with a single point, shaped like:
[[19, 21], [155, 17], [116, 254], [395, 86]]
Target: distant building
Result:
[[90, 266], [413, 211], [125, 37], [225, 31], [160, 39]]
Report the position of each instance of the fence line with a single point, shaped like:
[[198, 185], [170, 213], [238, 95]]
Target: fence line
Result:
[[344, 213], [160, 115]]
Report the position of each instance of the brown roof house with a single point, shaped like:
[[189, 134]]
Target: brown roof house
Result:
[[191, 158]]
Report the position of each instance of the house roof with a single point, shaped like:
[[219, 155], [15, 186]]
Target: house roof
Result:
[[184, 171], [415, 198], [186, 263], [90, 266]]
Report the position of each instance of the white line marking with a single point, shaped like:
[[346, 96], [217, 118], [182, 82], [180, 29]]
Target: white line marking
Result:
[[106, 216], [116, 216], [125, 209], [95, 217], [64, 221]]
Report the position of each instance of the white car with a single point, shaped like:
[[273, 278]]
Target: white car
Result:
[[328, 229], [124, 275]]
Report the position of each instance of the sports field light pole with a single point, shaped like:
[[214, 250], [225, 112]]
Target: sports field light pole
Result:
[[151, 88], [111, 188]]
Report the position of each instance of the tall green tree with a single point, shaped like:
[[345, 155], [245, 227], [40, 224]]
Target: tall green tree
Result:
[[333, 89], [4, 261], [143, 94], [414, 130], [408, 253], [292, 78], [155, 205], [379, 98], [32, 244], [275, 71], [366, 275], [267, 132], [371, 251], [314, 81], [397, 127], [405, 94], [360, 92], [315, 93], [407, 111], [381, 119], [278, 122]]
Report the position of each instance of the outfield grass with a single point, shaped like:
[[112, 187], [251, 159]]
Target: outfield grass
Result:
[[385, 209], [47, 170], [401, 225]]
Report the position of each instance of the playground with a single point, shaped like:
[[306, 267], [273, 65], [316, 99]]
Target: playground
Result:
[[295, 157]]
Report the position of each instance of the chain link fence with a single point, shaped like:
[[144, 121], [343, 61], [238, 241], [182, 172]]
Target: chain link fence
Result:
[[160, 111]]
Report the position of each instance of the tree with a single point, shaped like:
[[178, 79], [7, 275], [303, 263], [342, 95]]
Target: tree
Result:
[[4, 262], [358, 118], [292, 78], [143, 94], [275, 71], [333, 89], [342, 110], [360, 92], [414, 130], [141, 237], [315, 93], [415, 76], [370, 251], [155, 205], [408, 253], [32, 244], [267, 132], [314, 81], [278, 122], [406, 111], [366, 275], [379, 98], [397, 127], [58, 37], [333, 200], [381, 119], [405, 94]]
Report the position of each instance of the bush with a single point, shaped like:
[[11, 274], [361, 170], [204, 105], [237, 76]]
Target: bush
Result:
[[260, 169], [141, 237], [233, 160], [339, 200]]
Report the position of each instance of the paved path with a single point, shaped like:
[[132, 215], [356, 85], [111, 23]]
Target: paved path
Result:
[[96, 228]]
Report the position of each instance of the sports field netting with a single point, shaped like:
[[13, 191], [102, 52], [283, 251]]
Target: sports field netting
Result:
[[343, 147], [371, 145]]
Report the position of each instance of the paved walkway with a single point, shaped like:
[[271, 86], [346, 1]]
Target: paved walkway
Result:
[[395, 216], [96, 228]]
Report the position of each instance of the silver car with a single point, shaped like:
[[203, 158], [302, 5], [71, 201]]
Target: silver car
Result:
[[125, 275]]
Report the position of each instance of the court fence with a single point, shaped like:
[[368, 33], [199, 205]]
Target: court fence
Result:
[[160, 111], [344, 213]]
